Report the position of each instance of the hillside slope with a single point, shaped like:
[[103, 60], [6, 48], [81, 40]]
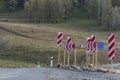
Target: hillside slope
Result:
[[34, 43]]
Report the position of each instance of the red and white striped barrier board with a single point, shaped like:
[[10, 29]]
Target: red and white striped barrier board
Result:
[[69, 40], [59, 39], [69, 47], [66, 46], [88, 45], [73, 46], [93, 43], [111, 46]]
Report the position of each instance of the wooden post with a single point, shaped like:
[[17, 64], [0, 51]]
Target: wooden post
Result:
[[96, 58], [75, 57], [64, 57], [86, 59], [111, 64], [93, 59], [68, 59]]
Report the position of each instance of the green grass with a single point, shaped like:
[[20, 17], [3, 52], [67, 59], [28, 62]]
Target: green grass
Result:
[[40, 49]]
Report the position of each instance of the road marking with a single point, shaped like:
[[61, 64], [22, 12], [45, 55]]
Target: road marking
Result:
[[4, 77]]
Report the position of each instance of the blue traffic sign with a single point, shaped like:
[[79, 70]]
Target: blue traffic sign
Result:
[[100, 45]]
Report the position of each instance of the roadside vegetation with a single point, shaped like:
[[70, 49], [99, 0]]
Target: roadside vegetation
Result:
[[42, 42], [28, 28]]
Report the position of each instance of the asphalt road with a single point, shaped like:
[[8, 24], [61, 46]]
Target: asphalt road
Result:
[[53, 74]]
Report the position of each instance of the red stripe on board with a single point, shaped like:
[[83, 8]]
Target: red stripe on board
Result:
[[73, 46], [109, 34], [93, 38], [111, 53], [69, 39], [111, 46], [88, 40], [113, 58], [94, 45], [59, 41], [111, 39], [60, 35]]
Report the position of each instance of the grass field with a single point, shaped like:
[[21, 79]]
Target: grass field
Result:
[[32, 43]]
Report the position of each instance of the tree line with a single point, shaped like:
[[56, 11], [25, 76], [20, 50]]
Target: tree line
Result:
[[49, 10], [11, 5], [106, 12]]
